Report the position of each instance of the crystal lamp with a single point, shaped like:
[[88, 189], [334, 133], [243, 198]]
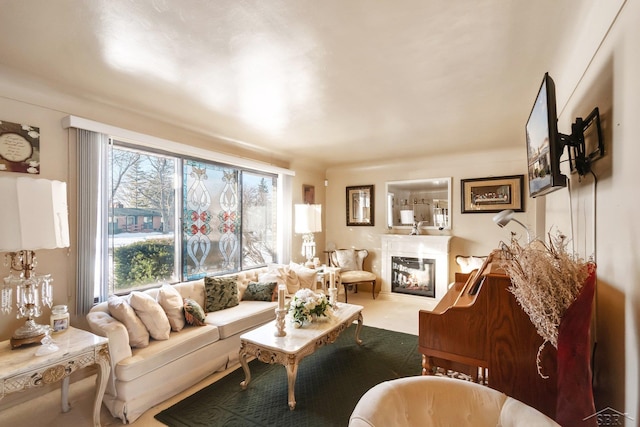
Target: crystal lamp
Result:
[[33, 216]]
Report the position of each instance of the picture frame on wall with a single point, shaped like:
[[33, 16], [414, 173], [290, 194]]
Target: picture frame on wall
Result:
[[492, 194], [19, 148], [308, 194], [360, 205]]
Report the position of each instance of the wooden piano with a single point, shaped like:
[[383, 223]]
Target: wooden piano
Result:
[[478, 327]]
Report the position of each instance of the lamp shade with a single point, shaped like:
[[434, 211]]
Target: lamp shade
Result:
[[308, 218], [33, 214], [503, 218], [406, 216]]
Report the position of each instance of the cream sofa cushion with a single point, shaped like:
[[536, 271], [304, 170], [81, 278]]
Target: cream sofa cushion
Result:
[[159, 353], [282, 275], [242, 317], [307, 277], [120, 309], [171, 302], [151, 314]]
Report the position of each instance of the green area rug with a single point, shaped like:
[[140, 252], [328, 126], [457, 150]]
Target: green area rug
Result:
[[328, 386]]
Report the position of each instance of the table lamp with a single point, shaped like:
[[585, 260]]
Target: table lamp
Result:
[[308, 220], [33, 216]]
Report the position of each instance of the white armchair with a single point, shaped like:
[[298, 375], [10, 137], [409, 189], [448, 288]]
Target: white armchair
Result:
[[441, 401], [351, 262]]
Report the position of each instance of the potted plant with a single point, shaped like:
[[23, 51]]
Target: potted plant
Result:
[[555, 289]]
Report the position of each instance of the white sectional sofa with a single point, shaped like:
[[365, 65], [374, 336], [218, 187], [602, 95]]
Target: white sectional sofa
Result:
[[143, 377]]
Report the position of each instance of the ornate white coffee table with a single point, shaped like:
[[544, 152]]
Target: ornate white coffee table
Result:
[[297, 344]]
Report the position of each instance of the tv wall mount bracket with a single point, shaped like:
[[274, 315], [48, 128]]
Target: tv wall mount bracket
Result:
[[579, 160]]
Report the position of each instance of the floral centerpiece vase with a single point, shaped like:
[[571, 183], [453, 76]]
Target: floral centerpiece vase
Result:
[[307, 306]]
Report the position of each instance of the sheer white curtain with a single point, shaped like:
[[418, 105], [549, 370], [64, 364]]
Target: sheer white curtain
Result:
[[91, 274]]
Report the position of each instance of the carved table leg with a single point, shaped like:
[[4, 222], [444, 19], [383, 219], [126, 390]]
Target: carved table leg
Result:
[[358, 328], [102, 360], [64, 391], [292, 372], [245, 368]]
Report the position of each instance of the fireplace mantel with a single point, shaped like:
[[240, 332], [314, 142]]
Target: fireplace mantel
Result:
[[425, 246]]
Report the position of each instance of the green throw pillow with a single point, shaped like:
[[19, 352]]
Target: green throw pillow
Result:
[[193, 313], [221, 293], [257, 291]]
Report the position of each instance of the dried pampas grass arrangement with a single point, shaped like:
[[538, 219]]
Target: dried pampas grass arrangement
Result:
[[545, 280]]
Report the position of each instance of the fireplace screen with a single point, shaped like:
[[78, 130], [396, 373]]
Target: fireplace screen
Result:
[[415, 276]]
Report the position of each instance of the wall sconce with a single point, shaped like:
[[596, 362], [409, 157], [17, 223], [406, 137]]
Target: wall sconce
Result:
[[33, 216], [308, 220], [503, 218]]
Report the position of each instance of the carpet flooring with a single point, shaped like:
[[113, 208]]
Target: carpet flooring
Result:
[[328, 386]]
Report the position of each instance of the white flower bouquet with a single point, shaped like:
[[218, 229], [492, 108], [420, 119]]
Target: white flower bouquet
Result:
[[306, 306]]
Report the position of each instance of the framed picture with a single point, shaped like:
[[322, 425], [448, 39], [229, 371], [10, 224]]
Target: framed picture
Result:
[[19, 148], [308, 194], [486, 195], [360, 203]]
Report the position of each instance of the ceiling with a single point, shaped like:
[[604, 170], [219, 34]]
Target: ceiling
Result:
[[332, 80]]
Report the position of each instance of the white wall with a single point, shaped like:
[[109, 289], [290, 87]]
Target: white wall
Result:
[[473, 233], [308, 174], [53, 165], [603, 213]]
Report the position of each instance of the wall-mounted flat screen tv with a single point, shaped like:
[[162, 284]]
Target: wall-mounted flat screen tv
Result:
[[544, 147]]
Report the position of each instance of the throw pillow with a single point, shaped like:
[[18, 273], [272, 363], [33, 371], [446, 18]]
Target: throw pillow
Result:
[[346, 259], [257, 291], [120, 309], [220, 293], [469, 263], [307, 277], [193, 312], [171, 302], [283, 275], [151, 314]]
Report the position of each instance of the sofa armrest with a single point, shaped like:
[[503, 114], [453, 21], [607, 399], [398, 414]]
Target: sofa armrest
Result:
[[103, 324]]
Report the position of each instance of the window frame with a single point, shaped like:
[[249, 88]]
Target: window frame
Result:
[[91, 274], [179, 241]]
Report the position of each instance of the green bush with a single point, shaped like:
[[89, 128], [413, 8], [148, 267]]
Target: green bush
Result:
[[143, 262]]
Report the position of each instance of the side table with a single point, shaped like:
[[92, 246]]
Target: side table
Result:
[[21, 369], [327, 276]]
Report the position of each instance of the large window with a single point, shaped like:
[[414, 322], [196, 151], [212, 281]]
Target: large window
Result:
[[173, 218]]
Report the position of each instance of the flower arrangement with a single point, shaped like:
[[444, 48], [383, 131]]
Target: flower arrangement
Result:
[[307, 305], [545, 281]]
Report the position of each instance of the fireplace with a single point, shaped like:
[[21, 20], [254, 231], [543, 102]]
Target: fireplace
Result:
[[413, 276], [415, 268]]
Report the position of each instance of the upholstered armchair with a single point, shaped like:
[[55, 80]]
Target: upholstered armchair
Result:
[[441, 401], [350, 262]]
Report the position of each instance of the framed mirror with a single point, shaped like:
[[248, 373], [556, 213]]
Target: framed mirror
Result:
[[360, 205], [423, 201]]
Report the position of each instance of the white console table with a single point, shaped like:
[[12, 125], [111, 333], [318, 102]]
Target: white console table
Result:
[[21, 369]]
